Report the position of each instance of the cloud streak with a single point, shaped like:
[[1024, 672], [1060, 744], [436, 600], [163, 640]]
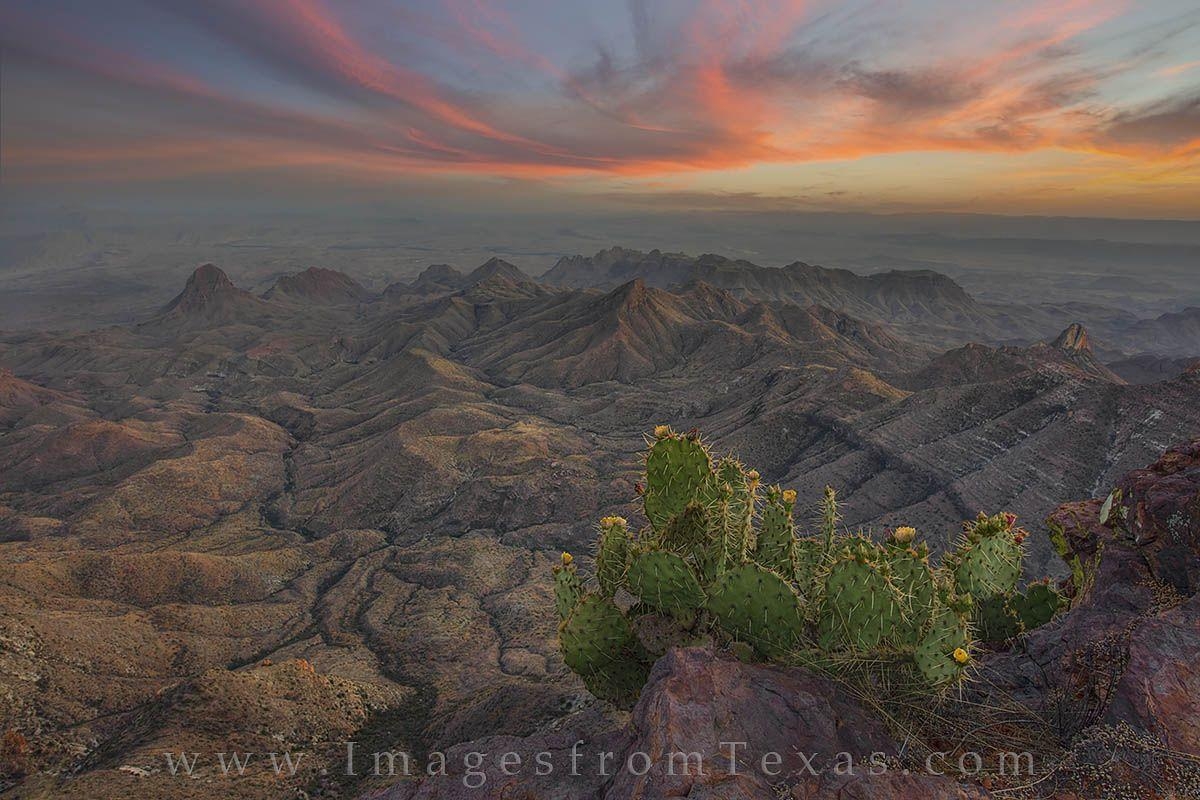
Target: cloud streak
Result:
[[644, 90]]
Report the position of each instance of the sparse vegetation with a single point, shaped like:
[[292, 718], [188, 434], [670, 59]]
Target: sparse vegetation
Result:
[[720, 559]]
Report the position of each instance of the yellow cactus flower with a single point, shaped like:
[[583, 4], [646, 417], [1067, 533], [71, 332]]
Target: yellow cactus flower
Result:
[[662, 431], [567, 558], [961, 656], [789, 496], [611, 522], [904, 534]]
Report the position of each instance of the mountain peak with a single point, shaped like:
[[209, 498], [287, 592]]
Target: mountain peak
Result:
[[319, 284], [208, 277], [207, 282], [497, 268], [628, 295], [439, 273], [209, 298], [1074, 339]]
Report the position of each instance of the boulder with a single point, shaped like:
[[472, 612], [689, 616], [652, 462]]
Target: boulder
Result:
[[706, 726], [1162, 513]]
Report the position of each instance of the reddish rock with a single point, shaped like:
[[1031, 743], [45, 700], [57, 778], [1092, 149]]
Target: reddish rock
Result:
[[1159, 692], [1162, 513], [697, 703]]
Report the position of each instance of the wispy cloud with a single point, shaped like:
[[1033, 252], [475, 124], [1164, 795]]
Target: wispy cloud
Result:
[[641, 89]]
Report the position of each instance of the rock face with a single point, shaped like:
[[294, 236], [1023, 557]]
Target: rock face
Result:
[[1075, 338], [709, 727], [1162, 505], [1159, 692]]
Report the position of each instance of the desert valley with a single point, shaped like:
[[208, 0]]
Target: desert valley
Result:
[[321, 513]]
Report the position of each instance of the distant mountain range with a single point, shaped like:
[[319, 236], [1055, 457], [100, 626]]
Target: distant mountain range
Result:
[[929, 304]]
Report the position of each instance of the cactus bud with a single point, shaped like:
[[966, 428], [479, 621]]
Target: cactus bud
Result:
[[639, 488], [1009, 518], [662, 431], [789, 496], [904, 534], [752, 478]]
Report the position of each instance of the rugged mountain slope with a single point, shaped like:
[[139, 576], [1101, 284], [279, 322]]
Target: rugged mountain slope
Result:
[[1146, 368], [379, 489], [317, 285]]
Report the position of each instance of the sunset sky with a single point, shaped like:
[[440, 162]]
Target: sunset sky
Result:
[[1013, 107]]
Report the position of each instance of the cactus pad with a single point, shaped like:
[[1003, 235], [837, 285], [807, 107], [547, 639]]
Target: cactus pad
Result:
[[775, 547], [911, 574], [988, 565], [935, 656], [677, 468], [1037, 605], [567, 589], [612, 555], [996, 619], [862, 608], [665, 581], [599, 644], [757, 606]]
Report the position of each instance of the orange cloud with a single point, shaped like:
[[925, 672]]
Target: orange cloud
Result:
[[728, 88]]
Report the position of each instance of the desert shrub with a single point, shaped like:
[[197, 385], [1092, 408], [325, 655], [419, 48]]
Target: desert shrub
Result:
[[720, 559], [15, 761]]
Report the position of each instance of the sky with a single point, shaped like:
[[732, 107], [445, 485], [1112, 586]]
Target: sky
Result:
[[1074, 107]]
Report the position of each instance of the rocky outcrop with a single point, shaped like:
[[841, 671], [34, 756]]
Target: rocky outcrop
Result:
[[1162, 514], [1074, 339], [706, 726]]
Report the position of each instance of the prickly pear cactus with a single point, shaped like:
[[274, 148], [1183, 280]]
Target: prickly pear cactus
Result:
[[734, 500], [718, 563], [612, 554], [599, 645], [677, 469], [995, 619], [944, 653], [987, 562], [810, 568], [567, 586], [863, 608], [1037, 605], [664, 581], [758, 607], [908, 566], [775, 548]]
